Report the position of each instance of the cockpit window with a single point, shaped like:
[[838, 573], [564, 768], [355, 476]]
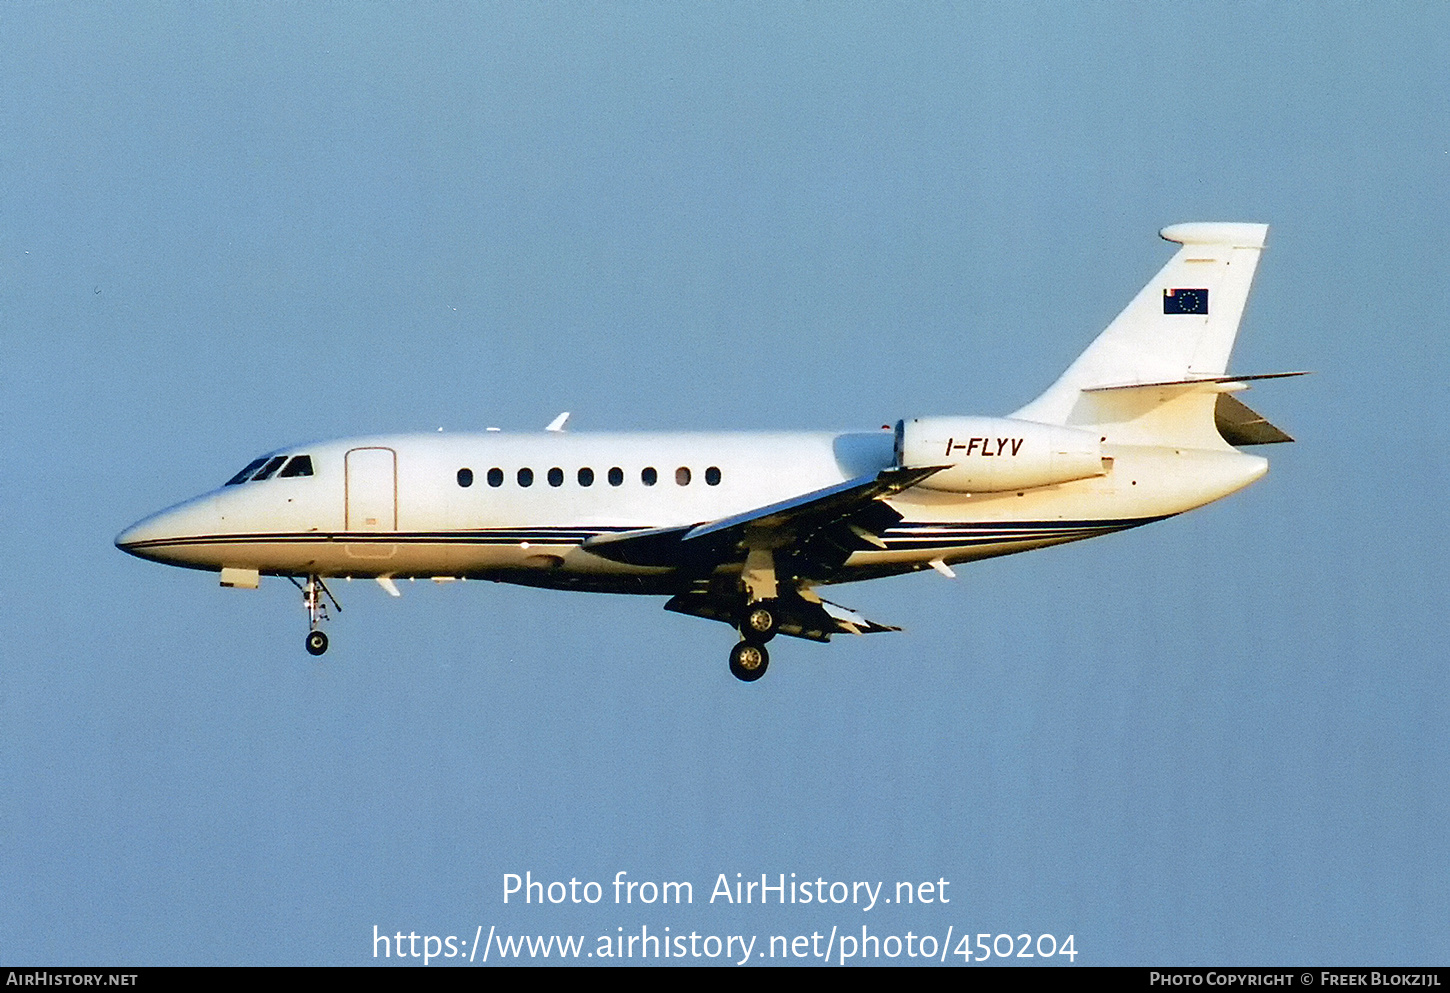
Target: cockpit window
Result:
[[301, 465], [267, 470], [241, 477]]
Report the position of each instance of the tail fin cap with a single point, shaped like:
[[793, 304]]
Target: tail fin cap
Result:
[[1232, 234]]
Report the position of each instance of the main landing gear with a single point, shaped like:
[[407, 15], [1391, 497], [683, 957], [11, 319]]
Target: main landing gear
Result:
[[758, 624], [312, 598], [760, 617], [748, 661], [760, 621]]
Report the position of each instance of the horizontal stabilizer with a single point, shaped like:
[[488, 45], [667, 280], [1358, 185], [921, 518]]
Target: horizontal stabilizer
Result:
[[1192, 412], [1194, 380], [1241, 425]]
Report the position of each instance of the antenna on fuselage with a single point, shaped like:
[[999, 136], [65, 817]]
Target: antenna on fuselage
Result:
[[557, 424]]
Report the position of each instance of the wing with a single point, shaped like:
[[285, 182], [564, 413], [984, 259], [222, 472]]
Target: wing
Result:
[[810, 537], [818, 530]]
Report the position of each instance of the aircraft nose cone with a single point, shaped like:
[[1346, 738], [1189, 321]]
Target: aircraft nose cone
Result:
[[126, 537], [140, 535], [153, 537]]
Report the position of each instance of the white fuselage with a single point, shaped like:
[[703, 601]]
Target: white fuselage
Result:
[[397, 506], [740, 528]]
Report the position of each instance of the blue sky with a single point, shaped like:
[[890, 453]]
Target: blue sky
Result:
[[1219, 739]]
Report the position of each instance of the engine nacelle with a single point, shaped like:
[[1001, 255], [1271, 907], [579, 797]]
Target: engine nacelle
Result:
[[987, 454]]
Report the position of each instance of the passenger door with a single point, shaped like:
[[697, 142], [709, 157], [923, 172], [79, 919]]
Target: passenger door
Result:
[[371, 499]]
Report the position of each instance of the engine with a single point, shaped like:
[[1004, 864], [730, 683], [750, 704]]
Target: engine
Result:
[[987, 454]]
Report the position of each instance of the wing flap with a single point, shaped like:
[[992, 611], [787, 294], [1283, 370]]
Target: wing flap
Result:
[[850, 622], [799, 618]]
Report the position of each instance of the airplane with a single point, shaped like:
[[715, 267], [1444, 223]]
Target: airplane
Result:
[[751, 528]]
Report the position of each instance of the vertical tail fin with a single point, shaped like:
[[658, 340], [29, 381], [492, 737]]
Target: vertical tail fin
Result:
[[1181, 326]]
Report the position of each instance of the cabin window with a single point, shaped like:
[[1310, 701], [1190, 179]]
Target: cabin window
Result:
[[526, 477], [649, 477], [465, 478], [495, 476], [556, 476], [301, 465], [241, 477], [616, 476], [586, 476], [271, 467], [682, 476], [712, 476]]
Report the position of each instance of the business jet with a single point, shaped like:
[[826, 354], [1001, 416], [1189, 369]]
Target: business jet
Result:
[[751, 529]]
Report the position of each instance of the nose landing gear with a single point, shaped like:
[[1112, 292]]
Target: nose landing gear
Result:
[[312, 598]]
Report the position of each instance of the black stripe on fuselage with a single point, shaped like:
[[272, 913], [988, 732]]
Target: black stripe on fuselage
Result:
[[909, 536], [499, 536], [902, 537]]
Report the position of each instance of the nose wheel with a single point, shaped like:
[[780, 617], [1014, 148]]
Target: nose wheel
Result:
[[313, 592]]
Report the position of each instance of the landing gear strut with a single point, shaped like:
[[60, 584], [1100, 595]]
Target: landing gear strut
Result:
[[748, 661], [312, 598], [760, 619]]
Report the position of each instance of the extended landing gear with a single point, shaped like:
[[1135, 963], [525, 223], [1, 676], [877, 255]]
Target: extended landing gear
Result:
[[748, 661], [758, 624], [312, 598], [760, 618], [760, 621]]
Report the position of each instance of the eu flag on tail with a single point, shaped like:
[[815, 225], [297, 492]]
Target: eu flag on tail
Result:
[[1185, 301]]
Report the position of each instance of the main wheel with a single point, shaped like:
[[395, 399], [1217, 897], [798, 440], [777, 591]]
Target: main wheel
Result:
[[748, 661], [316, 642], [760, 621]]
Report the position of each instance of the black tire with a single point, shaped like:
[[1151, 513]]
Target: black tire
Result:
[[748, 661], [316, 642], [760, 621]]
